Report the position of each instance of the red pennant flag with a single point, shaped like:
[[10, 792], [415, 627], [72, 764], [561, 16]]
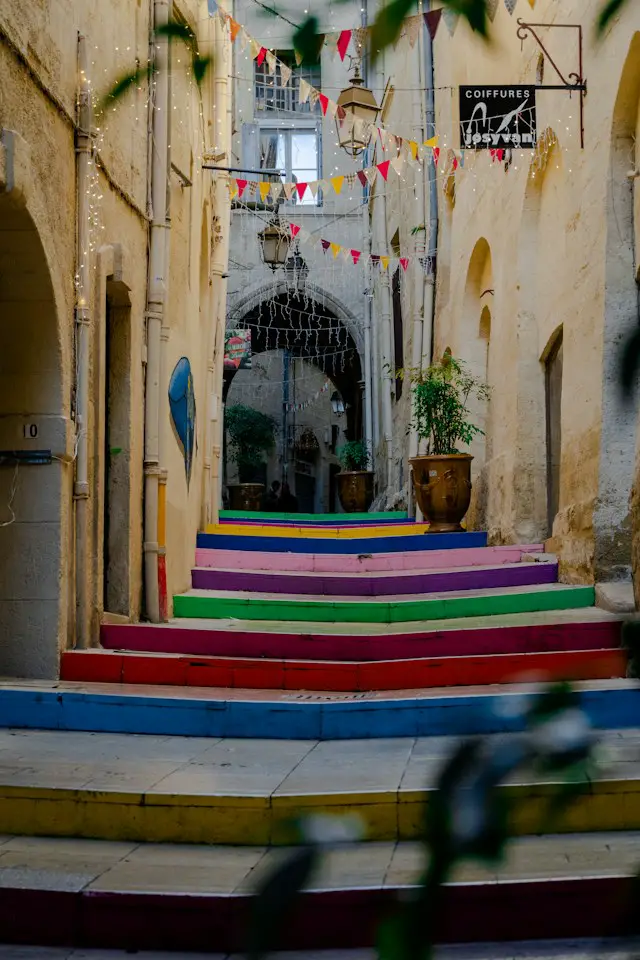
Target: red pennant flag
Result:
[[355, 255], [436, 155], [432, 20], [343, 43], [384, 168], [362, 177], [493, 154], [261, 55], [302, 189], [324, 103], [455, 163], [341, 114], [242, 186], [500, 155], [295, 229], [404, 263], [325, 244]]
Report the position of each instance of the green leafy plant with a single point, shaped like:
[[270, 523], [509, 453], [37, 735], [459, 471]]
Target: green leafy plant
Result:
[[354, 455], [251, 436], [441, 413]]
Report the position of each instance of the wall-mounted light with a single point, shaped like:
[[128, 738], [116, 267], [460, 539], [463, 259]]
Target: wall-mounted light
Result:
[[274, 243]]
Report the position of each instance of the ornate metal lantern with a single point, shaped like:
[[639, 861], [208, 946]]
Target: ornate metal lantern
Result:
[[360, 111]]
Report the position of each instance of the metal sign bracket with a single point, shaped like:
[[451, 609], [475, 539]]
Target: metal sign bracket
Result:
[[574, 81]]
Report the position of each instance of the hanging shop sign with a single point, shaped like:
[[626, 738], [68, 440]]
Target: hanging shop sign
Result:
[[237, 350], [497, 118]]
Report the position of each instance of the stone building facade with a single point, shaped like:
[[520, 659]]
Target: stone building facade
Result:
[[79, 360]]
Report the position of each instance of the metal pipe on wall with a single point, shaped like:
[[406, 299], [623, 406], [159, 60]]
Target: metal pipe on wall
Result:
[[82, 323], [430, 174], [155, 309], [368, 345]]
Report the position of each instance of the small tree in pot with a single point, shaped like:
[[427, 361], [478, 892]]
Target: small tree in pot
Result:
[[251, 437], [355, 481], [442, 477]]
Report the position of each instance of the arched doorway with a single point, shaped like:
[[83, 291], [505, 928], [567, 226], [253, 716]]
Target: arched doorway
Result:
[[294, 333], [31, 419]]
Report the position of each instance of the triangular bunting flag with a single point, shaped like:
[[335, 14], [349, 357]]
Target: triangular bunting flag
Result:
[[371, 175], [233, 188], [412, 29], [252, 188], [385, 262], [413, 147], [234, 29], [454, 163], [359, 37], [264, 189], [262, 52], [384, 168], [242, 186], [276, 190], [432, 20], [313, 186], [305, 90], [341, 114], [295, 229], [492, 8], [271, 62], [289, 189], [301, 189], [298, 57], [337, 183], [333, 107], [398, 163], [255, 48], [355, 256], [343, 43], [451, 18], [285, 74], [325, 245], [436, 155], [331, 40], [345, 253], [462, 158], [433, 142], [362, 177], [404, 263], [324, 103], [510, 5], [350, 180], [212, 7], [532, 3], [335, 249]]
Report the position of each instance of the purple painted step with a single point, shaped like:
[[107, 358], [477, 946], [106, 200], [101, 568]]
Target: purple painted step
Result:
[[366, 563], [562, 631], [479, 578]]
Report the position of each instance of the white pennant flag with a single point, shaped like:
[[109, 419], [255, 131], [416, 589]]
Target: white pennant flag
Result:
[[371, 173], [451, 19], [288, 189], [398, 163], [285, 74], [305, 90], [271, 61]]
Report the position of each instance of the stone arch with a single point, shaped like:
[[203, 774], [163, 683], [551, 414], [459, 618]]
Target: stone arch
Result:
[[474, 338], [34, 499], [611, 518]]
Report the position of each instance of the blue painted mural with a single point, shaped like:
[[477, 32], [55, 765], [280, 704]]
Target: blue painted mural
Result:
[[182, 403]]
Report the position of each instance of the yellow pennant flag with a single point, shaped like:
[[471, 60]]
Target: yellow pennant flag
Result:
[[264, 190], [335, 249], [433, 142], [413, 146], [385, 262], [337, 183], [233, 188]]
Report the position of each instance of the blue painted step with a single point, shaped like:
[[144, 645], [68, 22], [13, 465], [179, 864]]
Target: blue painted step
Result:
[[364, 547]]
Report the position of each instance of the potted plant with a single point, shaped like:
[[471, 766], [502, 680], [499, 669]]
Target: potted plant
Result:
[[251, 436], [355, 481], [441, 417]]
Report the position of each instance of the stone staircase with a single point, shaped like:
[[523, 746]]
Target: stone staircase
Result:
[[316, 665]]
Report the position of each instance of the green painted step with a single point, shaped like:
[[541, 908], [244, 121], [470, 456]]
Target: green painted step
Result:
[[348, 518], [211, 605]]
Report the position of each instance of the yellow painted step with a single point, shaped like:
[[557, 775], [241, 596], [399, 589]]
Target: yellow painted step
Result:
[[331, 533]]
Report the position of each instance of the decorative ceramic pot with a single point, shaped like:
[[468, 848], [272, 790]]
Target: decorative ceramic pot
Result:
[[442, 486], [246, 496], [355, 489]]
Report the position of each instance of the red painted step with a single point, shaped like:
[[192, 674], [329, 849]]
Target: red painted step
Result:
[[584, 630], [103, 666]]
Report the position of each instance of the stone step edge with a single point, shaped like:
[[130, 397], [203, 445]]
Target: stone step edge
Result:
[[550, 909], [212, 712], [608, 805], [175, 669], [362, 546]]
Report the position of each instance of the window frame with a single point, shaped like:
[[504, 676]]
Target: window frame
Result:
[[288, 128]]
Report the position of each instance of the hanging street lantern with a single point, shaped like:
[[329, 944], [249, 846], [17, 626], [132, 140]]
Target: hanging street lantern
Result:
[[296, 271], [274, 242], [357, 110]]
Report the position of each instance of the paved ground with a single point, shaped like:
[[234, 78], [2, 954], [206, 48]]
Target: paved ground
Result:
[[259, 768], [556, 950]]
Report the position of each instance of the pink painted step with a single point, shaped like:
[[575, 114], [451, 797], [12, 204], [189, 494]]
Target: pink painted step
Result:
[[350, 563]]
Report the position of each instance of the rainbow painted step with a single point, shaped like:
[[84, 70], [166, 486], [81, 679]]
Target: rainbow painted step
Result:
[[586, 892], [362, 545], [106, 666], [273, 715], [351, 519], [376, 585], [217, 605], [556, 631], [370, 563], [323, 532]]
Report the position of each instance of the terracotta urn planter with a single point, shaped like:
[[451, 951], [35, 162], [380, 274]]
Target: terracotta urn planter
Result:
[[246, 496], [442, 486], [355, 489]]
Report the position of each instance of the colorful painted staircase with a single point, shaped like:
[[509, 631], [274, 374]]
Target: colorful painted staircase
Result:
[[321, 665]]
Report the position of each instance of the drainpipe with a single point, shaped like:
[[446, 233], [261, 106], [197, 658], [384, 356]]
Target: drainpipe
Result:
[[366, 232], [83, 322], [220, 265], [153, 500], [430, 171]]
